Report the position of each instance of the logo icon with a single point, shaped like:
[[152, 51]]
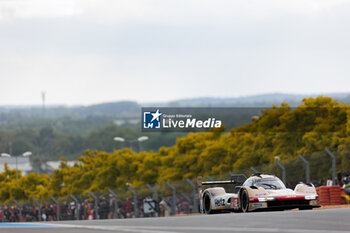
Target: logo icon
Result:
[[151, 120]]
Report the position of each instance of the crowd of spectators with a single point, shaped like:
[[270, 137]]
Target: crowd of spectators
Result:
[[344, 178], [85, 210], [109, 208]]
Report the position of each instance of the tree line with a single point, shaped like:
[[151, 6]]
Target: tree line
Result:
[[282, 131]]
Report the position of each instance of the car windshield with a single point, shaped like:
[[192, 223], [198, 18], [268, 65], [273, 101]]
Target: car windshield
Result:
[[269, 183]]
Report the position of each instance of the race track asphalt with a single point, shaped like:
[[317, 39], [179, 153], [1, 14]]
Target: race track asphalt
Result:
[[307, 221]]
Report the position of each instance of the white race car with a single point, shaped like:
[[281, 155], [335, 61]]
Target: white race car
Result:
[[258, 192]]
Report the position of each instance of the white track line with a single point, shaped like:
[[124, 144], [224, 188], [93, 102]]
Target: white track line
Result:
[[175, 229]]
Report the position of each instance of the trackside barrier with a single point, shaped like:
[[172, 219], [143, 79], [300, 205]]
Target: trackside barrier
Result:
[[39, 208], [95, 205], [135, 202], [57, 207], [114, 195], [330, 195], [173, 204]]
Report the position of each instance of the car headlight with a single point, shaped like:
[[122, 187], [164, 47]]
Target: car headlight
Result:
[[266, 199], [310, 197]]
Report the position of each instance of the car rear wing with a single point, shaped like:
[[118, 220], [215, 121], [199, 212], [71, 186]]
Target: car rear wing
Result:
[[235, 179]]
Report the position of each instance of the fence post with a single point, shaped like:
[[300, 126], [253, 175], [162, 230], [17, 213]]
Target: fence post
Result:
[[155, 187], [57, 207], [253, 169], [135, 202], [283, 171], [195, 196], [39, 209], [115, 202], [173, 205], [76, 206], [199, 190], [154, 192], [20, 210], [333, 164], [154, 195], [97, 216], [307, 168]]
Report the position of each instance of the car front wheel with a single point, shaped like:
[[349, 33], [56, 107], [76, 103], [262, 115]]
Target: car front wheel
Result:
[[244, 201]]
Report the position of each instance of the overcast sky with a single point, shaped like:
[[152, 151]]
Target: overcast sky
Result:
[[92, 51]]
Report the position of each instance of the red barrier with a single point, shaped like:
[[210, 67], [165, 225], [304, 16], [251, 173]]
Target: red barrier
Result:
[[330, 195]]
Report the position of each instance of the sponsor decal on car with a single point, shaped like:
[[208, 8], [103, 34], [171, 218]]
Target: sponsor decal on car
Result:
[[234, 203], [260, 194], [220, 202], [313, 202]]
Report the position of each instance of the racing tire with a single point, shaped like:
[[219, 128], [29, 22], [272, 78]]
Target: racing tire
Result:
[[244, 198], [207, 204]]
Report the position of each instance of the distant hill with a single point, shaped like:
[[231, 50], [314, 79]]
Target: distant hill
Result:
[[127, 109], [114, 109], [265, 100]]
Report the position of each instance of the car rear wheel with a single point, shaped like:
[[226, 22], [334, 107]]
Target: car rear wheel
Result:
[[244, 201], [207, 204]]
